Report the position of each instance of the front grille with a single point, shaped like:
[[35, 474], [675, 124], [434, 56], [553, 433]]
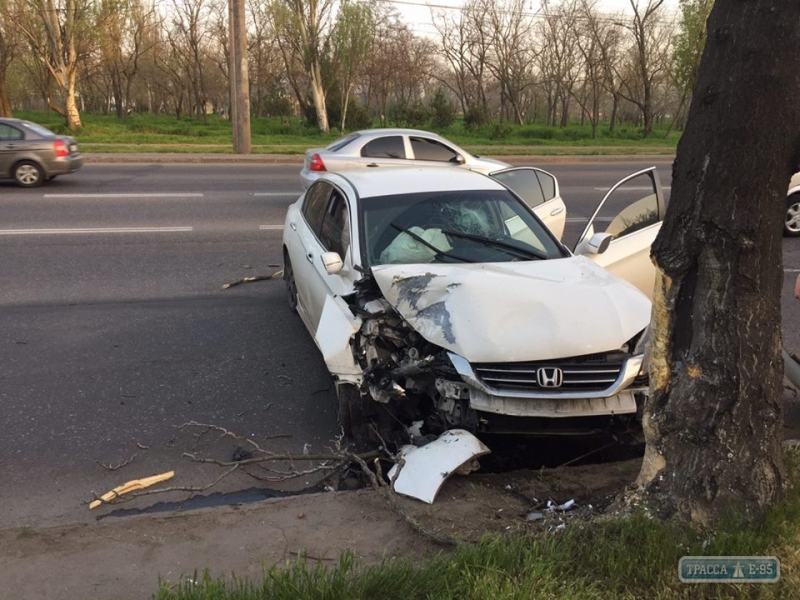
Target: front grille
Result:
[[590, 373]]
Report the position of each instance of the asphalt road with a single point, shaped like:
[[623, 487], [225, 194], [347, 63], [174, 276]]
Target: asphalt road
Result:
[[114, 328]]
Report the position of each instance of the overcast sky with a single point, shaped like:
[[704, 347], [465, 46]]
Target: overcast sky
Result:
[[417, 13]]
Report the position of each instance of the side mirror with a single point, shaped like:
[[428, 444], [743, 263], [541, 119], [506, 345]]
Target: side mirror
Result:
[[333, 262], [458, 159], [597, 244]]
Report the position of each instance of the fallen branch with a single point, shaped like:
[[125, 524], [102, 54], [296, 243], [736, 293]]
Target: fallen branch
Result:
[[275, 275], [130, 486], [110, 467]]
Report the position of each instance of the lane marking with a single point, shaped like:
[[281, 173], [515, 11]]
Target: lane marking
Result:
[[95, 230], [584, 219], [292, 194], [270, 227], [634, 189], [130, 195]]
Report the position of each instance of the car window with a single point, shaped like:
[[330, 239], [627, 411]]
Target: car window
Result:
[[427, 149], [452, 226], [634, 217], [385, 147], [534, 187], [38, 129], [314, 205], [335, 232], [342, 142], [7, 132]]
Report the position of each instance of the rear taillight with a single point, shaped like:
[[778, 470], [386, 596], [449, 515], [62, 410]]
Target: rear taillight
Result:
[[61, 148], [316, 163]]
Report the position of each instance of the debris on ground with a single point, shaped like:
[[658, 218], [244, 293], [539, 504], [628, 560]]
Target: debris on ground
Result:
[[275, 275], [131, 486]]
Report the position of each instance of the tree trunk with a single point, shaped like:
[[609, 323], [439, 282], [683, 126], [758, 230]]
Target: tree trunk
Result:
[[713, 422], [5, 105], [73, 115]]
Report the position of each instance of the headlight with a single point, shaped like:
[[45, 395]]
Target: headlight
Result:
[[643, 343]]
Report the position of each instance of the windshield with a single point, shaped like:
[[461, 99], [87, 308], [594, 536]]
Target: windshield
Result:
[[460, 226]]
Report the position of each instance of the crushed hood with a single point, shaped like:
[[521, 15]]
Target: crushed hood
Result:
[[516, 311]]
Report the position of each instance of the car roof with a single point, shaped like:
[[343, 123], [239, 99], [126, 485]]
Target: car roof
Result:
[[372, 182], [395, 131]]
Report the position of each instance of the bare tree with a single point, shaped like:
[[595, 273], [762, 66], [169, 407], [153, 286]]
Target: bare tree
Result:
[[61, 36], [304, 28], [512, 59], [9, 41], [647, 59], [713, 422], [354, 36]]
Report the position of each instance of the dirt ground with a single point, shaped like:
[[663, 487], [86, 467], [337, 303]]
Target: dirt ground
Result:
[[126, 557]]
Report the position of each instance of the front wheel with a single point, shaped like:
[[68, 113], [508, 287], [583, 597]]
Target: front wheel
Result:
[[288, 279], [28, 174], [791, 226]]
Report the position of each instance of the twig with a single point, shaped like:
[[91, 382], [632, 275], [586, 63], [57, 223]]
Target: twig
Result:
[[275, 275], [388, 495], [110, 467]]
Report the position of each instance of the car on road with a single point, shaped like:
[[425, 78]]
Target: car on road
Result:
[[31, 154], [791, 226], [439, 300], [391, 148]]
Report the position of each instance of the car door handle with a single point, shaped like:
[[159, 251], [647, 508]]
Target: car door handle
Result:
[[11, 146], [373, 165], [555, 211], [310, 257], [293, 225]]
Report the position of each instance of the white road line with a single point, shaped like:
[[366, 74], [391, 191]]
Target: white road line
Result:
[[634, 189], [584, 219], [270, 227], [131, 195], [291, 194], [95, 230]]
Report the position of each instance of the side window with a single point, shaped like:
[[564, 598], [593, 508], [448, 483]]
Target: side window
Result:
[[426, 149], [385, 147], [335, 232], [638, 215], [9, 133], [315, 203], [534, 187]]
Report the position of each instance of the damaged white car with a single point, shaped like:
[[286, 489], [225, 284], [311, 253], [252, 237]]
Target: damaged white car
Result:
[[440, 300]]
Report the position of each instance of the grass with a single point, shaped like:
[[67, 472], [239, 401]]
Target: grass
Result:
[[619, 558], [25, 532], [165, 133]]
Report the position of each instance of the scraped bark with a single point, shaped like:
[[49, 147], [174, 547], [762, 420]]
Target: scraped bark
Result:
[[713, 423]]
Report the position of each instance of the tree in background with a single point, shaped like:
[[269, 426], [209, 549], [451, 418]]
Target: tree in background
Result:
[[61, 35], [353, 39], [8, 46], [688, 45], [713, 423]]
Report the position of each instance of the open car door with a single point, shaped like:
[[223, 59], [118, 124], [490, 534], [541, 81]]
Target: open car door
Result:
[[637, 207], [539, 189]]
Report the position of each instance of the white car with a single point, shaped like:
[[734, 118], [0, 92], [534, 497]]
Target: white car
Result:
[[391, 147], [437, 297]]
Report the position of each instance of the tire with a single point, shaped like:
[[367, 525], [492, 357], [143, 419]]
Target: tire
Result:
[[353, 418], [288, 279], [791, 226], [28, 174]]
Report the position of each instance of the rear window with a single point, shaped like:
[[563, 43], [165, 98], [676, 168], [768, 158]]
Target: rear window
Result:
[[341, 142], [427, 149], [38, 129]]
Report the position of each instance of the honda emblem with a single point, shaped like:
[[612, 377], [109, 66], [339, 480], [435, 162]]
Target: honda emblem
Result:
[[550, 377]]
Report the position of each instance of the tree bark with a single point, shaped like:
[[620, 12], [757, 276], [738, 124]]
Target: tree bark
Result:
[[713, 422]]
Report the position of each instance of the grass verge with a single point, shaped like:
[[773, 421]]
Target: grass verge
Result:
[[620, 558]]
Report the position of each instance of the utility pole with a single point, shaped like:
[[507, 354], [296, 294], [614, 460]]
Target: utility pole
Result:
[[240, 82]]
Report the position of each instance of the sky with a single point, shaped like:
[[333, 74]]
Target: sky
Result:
[[417, 13]]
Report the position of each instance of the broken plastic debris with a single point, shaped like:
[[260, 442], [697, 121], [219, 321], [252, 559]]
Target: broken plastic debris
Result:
[[568, 505], [415, 429], [131, 486], [426, 468], [534, 516]]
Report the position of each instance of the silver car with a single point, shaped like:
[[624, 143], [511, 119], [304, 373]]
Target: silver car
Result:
[[391, 148], [31, 154]]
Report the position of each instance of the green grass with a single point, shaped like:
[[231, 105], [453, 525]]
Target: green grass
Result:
[[620, 558], [165, 133]]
